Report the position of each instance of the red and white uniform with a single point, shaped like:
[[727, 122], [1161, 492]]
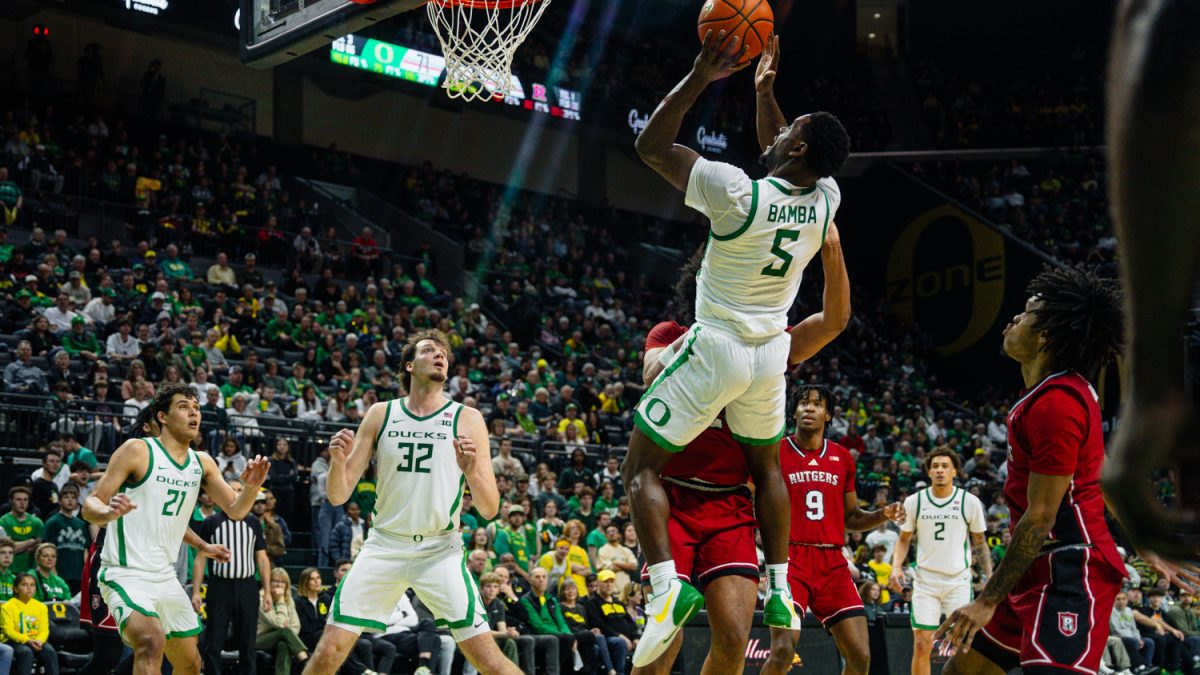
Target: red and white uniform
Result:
[[817, 481], [712, 522], [1057, 615], [92, 610]]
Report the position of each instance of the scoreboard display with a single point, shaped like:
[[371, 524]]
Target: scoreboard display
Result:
[[424, 68]]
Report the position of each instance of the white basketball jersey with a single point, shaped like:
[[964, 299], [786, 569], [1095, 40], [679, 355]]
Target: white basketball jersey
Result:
[[148, 538], [943, 529], [764, 233], [418, 481]]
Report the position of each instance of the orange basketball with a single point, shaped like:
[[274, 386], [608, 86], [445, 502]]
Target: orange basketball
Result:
[[753, 20]]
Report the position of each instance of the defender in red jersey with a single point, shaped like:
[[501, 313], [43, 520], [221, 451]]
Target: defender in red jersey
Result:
[[1046, 608], [711, 524], [820, 477]]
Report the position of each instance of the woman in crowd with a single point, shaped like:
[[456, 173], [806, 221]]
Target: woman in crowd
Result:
[[279, 629], [50, 586], [312, 606]]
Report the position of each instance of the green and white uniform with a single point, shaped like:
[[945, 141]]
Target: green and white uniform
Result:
[[414, 541], [763, 235], [942, 535], [137, 563]]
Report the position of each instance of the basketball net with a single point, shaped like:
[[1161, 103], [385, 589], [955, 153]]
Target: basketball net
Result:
[[479, 38]]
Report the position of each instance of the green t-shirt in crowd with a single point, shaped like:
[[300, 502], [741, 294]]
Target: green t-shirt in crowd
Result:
[[365, 496], [52, 588], [596, 538], [19, 531], [81, 455], [73, 344], [519, 542], [70, 535], [6, 585]]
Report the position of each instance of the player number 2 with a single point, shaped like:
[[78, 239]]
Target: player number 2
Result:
[[815, 502], [417, 466], [176, 500], [777, 248], [937, 532]]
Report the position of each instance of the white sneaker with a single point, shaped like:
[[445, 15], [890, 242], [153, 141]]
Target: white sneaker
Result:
[[666, 613]]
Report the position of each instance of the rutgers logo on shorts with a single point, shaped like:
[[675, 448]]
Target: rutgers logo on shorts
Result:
[[95, 602], [1068, 623]]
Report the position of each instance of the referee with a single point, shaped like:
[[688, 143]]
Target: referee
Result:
[[232, 590]]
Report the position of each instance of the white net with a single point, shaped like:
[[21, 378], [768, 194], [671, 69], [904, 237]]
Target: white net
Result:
[[479, 38]]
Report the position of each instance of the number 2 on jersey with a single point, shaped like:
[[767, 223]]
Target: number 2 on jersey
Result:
[[777, 249], [937, 533], [815, 501], [176, 500], [419, 465]]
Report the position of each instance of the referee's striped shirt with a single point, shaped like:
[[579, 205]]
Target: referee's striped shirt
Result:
[[241, 537]]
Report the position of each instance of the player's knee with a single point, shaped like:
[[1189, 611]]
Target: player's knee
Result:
[[858, 658], [148, 644], [781, 655], [923, 640], [187, 665]]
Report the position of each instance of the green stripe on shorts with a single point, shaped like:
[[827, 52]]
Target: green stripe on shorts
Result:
[[338, 617]]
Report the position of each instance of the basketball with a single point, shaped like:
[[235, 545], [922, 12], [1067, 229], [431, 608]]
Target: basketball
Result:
[[753, 20]]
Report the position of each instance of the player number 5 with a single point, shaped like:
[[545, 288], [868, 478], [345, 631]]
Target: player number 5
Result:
[[815, 502], [777, 249]]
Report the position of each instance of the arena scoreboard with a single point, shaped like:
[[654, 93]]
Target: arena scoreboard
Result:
[[276, 31], [420, 67]]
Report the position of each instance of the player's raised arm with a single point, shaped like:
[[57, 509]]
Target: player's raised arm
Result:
[[350, 454], [234, 504], [128, 464], [656, 144], [473, 452], [769, 118], [817, 330]]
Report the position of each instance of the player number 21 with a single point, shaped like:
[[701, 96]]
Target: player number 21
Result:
[[176, 501], [815, 502]]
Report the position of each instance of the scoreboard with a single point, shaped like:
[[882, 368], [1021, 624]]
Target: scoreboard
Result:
[[424, 68]]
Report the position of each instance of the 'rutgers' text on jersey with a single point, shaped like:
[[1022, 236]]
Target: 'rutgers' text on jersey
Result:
[[817, 483], [1054, 429], [764, 233]]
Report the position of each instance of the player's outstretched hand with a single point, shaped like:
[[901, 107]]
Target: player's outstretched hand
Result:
[[255, 473], [959, 629], [340, 445], [895, 513], [768, 66], [464, 453], [198, 603], [119, 505], [1184, 575], [217, 552], [715, 63], [895, 581]]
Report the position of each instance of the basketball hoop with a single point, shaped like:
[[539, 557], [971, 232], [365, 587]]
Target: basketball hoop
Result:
[[479, 38]]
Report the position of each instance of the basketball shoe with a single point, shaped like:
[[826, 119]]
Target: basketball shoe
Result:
[[666, 613], [778, 610]]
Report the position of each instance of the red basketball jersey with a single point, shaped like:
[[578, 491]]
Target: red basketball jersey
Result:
[[1055, 429], [817, 482], [714, 456]]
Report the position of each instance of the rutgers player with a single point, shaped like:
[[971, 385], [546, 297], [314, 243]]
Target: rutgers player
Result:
[[712, 522], [1046, 608], [820, 478]]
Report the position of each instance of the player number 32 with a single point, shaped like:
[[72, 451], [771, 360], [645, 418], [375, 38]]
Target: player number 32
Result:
[[409, 450]]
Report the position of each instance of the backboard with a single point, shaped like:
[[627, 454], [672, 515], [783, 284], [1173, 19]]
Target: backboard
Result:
[[276, 31]]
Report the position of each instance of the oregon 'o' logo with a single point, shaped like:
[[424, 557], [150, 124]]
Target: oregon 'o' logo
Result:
[[658, 412], [946, 271]]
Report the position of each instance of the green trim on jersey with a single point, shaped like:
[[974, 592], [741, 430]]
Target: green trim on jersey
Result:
[[794, 192], [663, 443], [336, 613], [124, 597], [456, 414], [919, 626], [759, 441], [186, 462], [917, 516], [946, 503], [387, 415], [825, 230], [121, 541], [749, 217], [962, 510], [472, 592], [462, 481], [149, 467], [186, 633], [422, 419]]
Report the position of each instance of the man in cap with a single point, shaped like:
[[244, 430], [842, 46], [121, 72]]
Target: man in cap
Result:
[[249, 275], [517, 538], [79, 342], [175, 268], [101, 309], [618, 633], [18, 315], [76, 289]]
